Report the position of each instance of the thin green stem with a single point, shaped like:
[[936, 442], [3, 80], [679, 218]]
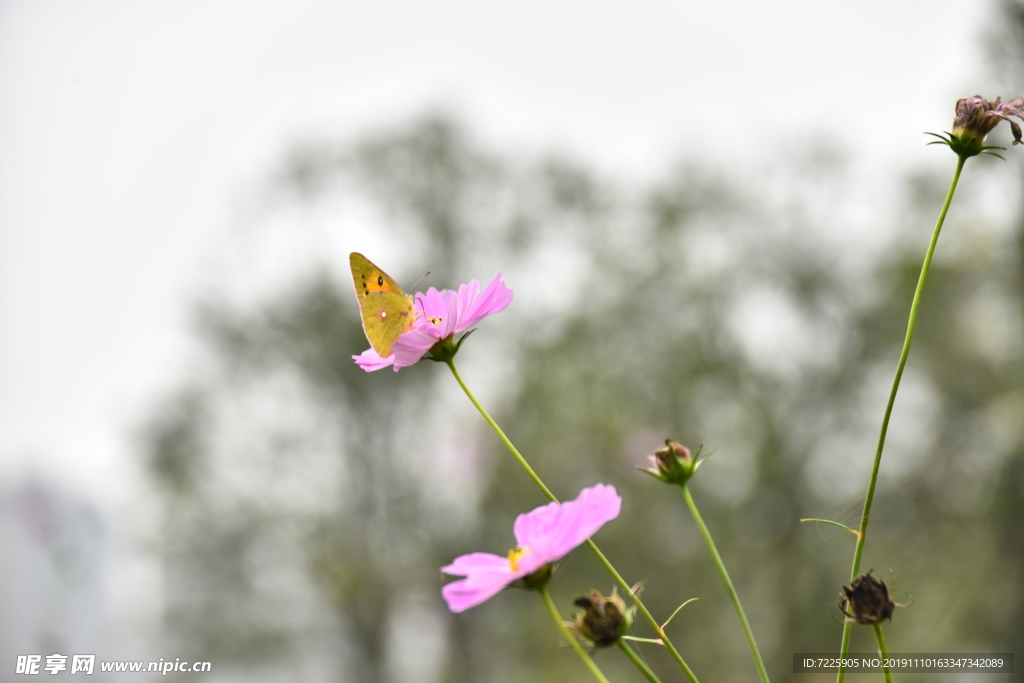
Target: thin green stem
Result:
[[844, 648], [573, 640], [728, 584], [593, 546], [501, 435], [911, 323], [884, 651], [829, 521], [637, 662]]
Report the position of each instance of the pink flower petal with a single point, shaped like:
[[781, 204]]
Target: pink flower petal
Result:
[[439, 315], [461, 595], [486, 574], [554, 530], [370, 360], [544, 535], [494, 299], [412, 346], [464, 565]]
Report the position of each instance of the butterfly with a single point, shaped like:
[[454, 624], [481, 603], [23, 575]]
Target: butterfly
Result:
[[387, 310]]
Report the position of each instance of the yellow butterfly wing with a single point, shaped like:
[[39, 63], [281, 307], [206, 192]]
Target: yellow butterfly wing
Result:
[[387, 310]]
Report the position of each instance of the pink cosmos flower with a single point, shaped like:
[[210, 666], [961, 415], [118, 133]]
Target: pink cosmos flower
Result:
[[547, 534], [439, 316]]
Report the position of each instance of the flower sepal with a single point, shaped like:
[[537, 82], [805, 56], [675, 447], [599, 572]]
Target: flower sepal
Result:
[[966, 145], [673, 463], [536, 580], [445, 350]]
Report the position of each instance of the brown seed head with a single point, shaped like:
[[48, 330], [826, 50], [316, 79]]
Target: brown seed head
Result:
[[868, 599]]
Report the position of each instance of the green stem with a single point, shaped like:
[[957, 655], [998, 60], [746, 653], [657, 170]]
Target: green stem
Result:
[[884, 651], [573, 640], [637, 662], [728, 585], [911, 323], [593, 546], [501, 435]]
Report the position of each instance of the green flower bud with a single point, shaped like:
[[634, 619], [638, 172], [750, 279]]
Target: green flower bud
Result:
[[673, 463]]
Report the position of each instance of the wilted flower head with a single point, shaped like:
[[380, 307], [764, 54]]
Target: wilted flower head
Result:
[[868, 599], [603, 620], [975, 118], [439, 317], [544, 535]]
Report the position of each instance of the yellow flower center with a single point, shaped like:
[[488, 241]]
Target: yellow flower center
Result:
[[514, 555]]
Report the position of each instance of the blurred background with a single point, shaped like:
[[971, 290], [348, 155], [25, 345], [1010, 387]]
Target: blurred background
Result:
[[712, 215]]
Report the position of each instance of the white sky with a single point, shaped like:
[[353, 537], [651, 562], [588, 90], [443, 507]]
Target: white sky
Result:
[[128, 128]]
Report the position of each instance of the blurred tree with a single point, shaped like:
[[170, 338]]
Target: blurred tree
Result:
[[308, 504]]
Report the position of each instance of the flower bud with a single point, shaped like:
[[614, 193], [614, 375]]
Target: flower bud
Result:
[[603, 620], [672, 463]]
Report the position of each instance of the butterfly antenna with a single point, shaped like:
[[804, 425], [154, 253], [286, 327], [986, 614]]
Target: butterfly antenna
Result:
[[420, 280]]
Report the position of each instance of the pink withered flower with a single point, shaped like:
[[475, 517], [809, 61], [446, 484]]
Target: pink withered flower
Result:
[[439, 317], [975, 118], [544, 535]]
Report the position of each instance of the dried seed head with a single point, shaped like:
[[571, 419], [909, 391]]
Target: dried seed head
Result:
[[868, 599], [604, 619]]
